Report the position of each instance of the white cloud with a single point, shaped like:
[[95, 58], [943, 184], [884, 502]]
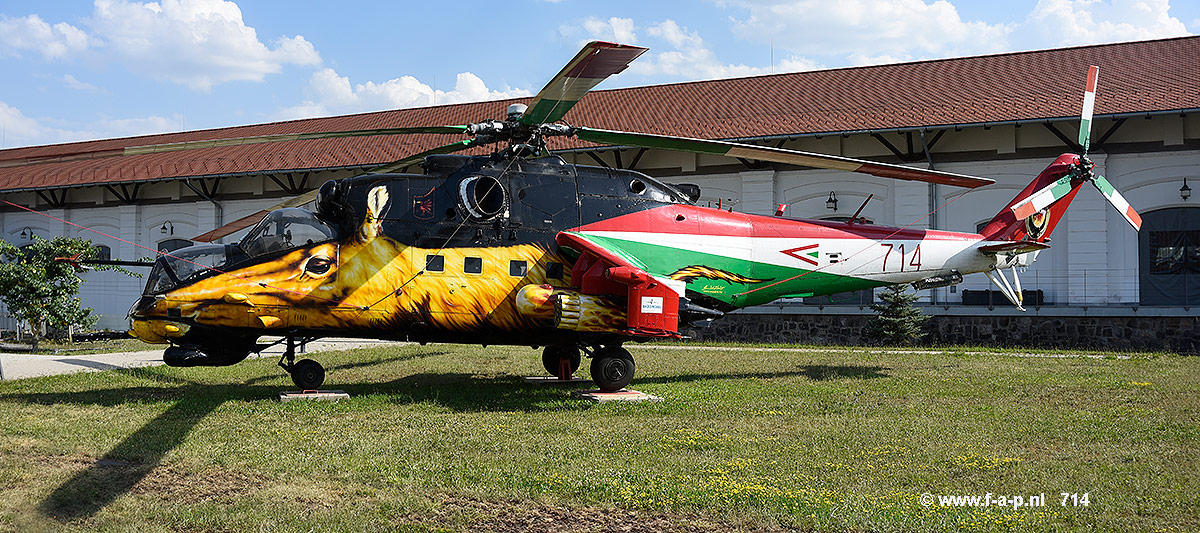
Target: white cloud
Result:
[[197, 43], [21, 130], [615, 29], [1095, 21], [334, 94], [31, 33], [867, 29], [678, 52], [71, 82], [129, 127], [861, 32], [18, 129]]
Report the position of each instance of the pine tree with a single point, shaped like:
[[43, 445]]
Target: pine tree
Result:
[[897, 320]]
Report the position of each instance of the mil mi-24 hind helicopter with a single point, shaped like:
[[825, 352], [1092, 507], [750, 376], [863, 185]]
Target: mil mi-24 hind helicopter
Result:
[[519, 247]]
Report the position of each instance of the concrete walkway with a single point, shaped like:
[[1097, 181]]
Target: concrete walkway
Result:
[[19, 366]]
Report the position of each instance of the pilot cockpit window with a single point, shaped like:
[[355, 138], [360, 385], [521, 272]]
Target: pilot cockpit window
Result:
[[285, 229]]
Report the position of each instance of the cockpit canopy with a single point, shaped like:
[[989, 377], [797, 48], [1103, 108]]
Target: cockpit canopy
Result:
[[279, 231], [285, 229]]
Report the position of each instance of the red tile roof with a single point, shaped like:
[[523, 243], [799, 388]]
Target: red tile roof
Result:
[[1135, 77]]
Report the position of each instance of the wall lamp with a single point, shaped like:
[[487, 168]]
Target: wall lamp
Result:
[[831, 203], [27, 233], [1185, 192], [167, 228]]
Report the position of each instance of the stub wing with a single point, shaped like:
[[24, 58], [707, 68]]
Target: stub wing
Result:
[[652, 303], [1017, 247]]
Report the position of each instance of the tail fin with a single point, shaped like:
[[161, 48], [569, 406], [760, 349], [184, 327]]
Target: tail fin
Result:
[[1038, 226]]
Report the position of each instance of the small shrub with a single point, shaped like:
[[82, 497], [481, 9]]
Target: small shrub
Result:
[[897, 322]]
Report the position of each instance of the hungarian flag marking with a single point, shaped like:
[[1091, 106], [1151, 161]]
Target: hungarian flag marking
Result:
[[802, 254]]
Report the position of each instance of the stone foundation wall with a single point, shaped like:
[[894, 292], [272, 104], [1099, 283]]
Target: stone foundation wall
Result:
[[1171, 334]]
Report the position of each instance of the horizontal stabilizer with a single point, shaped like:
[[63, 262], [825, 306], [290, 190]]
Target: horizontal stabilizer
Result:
[[1018, 247]]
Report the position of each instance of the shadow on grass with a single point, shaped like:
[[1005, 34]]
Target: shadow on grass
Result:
[[92, 489], [118, 471], [813, 372]]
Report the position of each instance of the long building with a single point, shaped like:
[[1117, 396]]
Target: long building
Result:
[[1003, 116]]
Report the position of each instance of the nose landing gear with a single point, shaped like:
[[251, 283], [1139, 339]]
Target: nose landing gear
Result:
[[306, 373]]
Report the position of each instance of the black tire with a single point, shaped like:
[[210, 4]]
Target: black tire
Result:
[[553, 354], [612, 369], [308, 374]]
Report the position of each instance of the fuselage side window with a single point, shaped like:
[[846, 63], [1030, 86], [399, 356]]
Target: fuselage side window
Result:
[[435, 263], [518, 268], [473, 265]]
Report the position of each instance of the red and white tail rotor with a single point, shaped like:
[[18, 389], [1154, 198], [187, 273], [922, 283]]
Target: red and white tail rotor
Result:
[[1083, 169]]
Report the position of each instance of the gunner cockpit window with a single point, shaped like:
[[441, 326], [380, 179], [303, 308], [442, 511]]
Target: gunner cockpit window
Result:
[[285, 229]]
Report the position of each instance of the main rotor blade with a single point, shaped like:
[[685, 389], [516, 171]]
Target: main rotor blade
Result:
[[1118, 201], [236, 141], [299, 200], [595, 62], [1089, 101], [416, 158], [778, 155]]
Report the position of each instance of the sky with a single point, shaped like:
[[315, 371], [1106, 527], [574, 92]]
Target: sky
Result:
[[75, 70]]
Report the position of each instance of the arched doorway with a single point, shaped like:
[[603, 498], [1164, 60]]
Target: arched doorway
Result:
[[1169, 257]]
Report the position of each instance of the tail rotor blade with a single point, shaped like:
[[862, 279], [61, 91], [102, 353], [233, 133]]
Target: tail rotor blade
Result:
[[1089, 102], [1043, 198], [1118, 201]]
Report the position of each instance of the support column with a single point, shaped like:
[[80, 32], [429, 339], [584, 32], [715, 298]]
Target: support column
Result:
[[911, 203], [206, 219], [758, 192], [54, 226], [131, 230], [1087, 245]]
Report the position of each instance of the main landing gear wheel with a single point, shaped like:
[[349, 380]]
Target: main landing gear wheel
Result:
[[612, 368], [308, 374], [553, 356]]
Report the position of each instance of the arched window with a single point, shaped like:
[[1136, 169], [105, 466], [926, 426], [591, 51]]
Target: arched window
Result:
[[170, 245], [103, 253], [1169, 257]]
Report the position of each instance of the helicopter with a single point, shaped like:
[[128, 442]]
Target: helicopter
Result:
[[519, 247]]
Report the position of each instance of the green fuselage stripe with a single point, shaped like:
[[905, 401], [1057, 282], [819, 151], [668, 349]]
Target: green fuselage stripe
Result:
[[664, 260]]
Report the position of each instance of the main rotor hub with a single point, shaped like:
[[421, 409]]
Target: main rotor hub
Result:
[[516, 110]]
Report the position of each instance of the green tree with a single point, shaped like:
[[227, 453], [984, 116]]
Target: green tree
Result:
[[897, 320], [45, 292]]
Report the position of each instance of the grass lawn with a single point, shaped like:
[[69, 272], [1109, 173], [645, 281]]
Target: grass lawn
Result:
[[449, 437]]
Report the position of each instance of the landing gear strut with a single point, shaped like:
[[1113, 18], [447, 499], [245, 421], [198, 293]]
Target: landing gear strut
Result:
[[561, 360], [612, 368], [306, 373]]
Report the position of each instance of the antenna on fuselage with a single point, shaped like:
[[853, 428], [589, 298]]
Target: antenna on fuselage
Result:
[[860, 208]]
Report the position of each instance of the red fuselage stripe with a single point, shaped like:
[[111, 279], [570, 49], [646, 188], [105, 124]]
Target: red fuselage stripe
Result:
[[696, 220]]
